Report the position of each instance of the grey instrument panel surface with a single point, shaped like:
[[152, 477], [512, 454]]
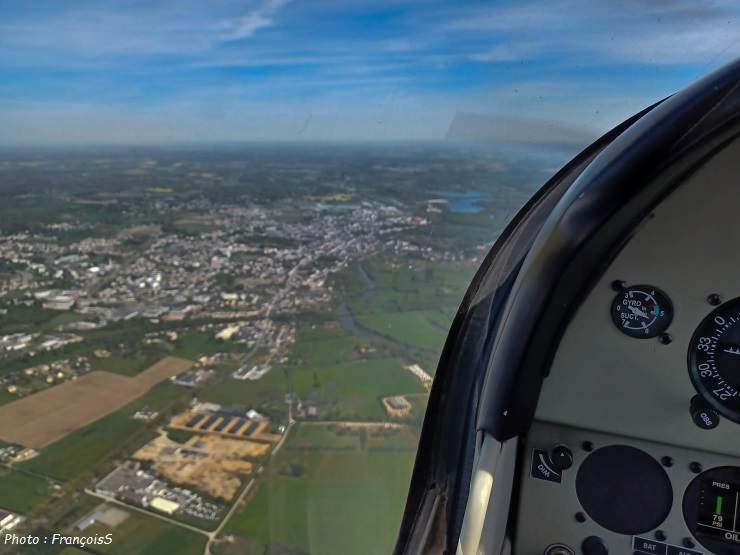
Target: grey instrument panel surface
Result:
[[547, 510], [606, 381]]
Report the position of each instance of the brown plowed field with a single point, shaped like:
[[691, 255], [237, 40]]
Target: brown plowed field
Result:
[[40, 419]]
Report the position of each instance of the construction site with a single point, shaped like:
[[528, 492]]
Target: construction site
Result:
[[214, 465]]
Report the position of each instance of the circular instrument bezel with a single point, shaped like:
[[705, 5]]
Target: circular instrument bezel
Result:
[[707, 363], [691, 503], [632, 311]]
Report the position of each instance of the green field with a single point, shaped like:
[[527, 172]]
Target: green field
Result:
[[439, 319], [352, 391], [80, 451], [194, 344], [143, 535], [6, 397], [322, 436], [61, 319], [412, 328], [342, 502], [34, 318], [271, 387], [21, 492], [414, 302], [419, 285], [344, 391], [125, 366], [315, 436], [393, 440], [325, 345]]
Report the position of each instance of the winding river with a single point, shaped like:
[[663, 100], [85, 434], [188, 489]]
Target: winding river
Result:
[[347, 319], [371, 286]]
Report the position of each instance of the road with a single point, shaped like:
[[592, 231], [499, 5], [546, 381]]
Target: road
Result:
[[247, 489], [245, 358], [235, 506], [270, 306], [149, 513], [210, 535]]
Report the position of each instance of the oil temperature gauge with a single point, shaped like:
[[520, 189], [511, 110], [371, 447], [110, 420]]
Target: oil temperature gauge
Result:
[[642, 311]]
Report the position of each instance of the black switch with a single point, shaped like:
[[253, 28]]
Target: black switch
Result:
[[594, 545], [562, 458], [704, 416]]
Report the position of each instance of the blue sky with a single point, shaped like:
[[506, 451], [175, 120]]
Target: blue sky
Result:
[[148, 71]]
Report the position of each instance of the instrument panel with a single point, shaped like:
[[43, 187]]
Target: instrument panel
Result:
[[644, 392], [623, 495], [680, 262], [714, 359]]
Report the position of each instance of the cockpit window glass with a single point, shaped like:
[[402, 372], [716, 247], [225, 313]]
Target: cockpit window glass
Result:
[[233, 236]]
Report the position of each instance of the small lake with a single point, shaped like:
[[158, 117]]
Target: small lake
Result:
[[463, 201]]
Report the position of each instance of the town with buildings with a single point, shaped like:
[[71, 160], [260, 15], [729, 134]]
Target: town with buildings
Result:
[[173, 349]]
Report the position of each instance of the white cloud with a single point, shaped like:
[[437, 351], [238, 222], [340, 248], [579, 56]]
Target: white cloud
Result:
[[97, 33], [261, 17], [513, 50], [76, 36], [675, 32], [155, 70]]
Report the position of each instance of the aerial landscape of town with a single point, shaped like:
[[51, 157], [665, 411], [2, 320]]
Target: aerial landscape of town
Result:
[[230, 350]]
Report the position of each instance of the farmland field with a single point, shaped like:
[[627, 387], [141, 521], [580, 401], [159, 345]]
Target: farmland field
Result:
[[247, 393], [120, 365], [193, 344], [6, 397], [318, 436], [83, 449], [412, 328], [321, 436], [22, 492], [340, 502], [324, 346], [143, 535], [40, 419], [353, 390]]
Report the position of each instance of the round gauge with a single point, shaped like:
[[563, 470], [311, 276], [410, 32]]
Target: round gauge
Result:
[[714, 359], [642, 311], [711, 511]]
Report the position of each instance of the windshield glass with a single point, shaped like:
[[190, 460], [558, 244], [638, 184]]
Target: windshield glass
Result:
[[233, 237]]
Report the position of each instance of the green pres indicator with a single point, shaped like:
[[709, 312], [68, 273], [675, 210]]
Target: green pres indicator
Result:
[[719, 510]]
